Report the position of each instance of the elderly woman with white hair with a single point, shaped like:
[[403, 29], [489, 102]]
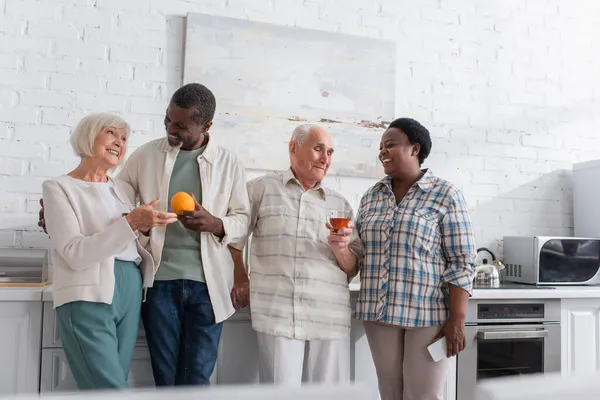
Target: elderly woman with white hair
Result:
[[100, 268]]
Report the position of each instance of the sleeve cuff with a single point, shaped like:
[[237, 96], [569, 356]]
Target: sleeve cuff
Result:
[[238, 245], [459, 279], [223, 241], [127, 228]]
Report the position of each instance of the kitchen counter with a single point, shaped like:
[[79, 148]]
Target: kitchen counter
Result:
[[22, 293], [236, 364], [47, 294], [554, 292]]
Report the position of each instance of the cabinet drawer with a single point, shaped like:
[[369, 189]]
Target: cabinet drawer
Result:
[[56, 375], [51, 336]]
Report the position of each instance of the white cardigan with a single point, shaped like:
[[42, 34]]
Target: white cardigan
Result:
[[84, 246], [224, 195]]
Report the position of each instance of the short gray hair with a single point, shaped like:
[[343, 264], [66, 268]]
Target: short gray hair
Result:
[[87, 129], [302, 132]]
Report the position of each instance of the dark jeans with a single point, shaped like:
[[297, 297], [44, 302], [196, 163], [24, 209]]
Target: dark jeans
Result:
[[183, 338]]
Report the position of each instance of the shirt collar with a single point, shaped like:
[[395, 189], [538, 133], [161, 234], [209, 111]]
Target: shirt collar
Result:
[[209, 153], [425, 183], [288, 176]]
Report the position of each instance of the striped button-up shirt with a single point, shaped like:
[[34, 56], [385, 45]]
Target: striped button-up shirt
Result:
[[412, 251], [297, 289]]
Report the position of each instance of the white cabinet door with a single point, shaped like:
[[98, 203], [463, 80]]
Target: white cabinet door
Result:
[[580, 331], [140, 372], [57, 377], [238, 355], [21, 338], [450, 386], [51, 336], [363, 369]]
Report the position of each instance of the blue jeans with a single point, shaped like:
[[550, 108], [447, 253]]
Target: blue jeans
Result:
[[182, 335]]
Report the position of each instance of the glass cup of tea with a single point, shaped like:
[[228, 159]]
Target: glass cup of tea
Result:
[[339, 219]]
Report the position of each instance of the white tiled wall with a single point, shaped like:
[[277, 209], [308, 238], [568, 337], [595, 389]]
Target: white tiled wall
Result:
[[509, 90]]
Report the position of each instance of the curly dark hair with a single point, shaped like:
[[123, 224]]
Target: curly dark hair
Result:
[[198, 97], [416, 133]]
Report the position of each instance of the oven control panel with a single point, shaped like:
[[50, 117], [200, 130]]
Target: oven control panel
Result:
[[510, 311]]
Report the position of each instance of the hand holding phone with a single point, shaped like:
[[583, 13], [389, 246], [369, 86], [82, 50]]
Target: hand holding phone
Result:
[[438, 350]]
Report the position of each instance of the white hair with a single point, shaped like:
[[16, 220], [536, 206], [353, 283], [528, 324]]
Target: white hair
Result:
[[302, 132], [87, 129]]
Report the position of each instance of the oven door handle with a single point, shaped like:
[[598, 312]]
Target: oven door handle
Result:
[[514, 334]]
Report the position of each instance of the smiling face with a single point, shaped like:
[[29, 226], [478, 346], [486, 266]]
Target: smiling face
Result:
[[110, 146], [182, 128], [311, 160], [397, 154]]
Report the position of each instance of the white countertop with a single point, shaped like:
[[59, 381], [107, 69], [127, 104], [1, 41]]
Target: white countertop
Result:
[[22, 293], [553, 292], [560, 292], [47, 295]]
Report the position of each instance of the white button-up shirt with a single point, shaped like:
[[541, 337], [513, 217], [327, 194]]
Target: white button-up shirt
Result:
[[224, 195], [297, 289]]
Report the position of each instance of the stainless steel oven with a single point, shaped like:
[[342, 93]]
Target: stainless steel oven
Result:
[[508, 337]]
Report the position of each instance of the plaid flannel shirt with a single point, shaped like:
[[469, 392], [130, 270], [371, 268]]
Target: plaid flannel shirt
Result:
[[412, 251]]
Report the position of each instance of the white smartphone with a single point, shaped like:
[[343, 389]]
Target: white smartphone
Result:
[[438, 349]]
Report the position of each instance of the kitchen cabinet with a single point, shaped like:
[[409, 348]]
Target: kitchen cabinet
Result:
[[55, 374], [580, 332], [450, 386], [237, 362], [51, 336], [20, 335], [362, 369], [238, 354], [238, 357]]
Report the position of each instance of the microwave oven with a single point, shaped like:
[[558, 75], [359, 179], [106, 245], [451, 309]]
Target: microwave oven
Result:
[[551, 260]]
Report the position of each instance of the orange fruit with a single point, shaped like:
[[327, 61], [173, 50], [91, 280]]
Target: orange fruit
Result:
[[181, 201]]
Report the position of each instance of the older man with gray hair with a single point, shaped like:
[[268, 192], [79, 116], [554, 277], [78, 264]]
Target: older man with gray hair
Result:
[[300, 267]]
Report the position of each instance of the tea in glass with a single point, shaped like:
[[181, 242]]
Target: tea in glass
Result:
[[339, 219]]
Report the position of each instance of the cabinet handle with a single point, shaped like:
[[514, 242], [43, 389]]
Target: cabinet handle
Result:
[[494, 335]]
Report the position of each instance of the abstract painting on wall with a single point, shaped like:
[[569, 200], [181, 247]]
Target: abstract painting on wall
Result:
[[269, 78]]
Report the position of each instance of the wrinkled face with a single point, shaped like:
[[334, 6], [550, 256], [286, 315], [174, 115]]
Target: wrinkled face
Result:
[[396, 153], [182, 128], [311, 161], [110, 146]]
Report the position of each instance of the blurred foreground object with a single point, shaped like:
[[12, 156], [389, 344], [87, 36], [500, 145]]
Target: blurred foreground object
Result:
[[246, 392], [551, 386]]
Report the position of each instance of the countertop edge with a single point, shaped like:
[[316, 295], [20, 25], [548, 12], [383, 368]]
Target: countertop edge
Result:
[[580, 292], [561, 292], [9, 294]]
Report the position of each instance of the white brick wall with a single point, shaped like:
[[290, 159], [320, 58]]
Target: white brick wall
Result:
[[509, 90]]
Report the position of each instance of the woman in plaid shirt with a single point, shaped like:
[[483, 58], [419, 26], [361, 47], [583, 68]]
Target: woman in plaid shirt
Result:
[[417, 271]]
